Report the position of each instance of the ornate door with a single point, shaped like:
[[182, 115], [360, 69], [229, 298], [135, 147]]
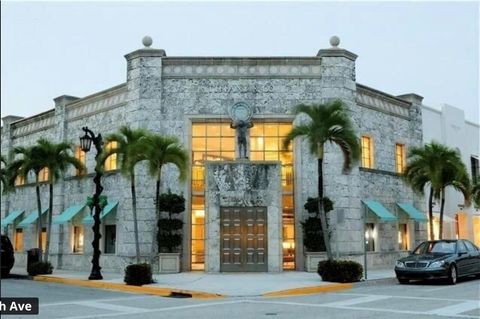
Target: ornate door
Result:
[[243, 237]]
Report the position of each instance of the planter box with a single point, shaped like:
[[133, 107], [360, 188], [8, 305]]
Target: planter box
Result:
[[312, 259], [168, 263]]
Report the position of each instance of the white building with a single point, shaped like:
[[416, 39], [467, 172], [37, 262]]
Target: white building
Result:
[[450, 127]]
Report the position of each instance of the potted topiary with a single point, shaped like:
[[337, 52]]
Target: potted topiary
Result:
[[313, 233], [169, 235]]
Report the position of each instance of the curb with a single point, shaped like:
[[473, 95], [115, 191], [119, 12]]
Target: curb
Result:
[[375, 282], [148, 290], [308, 290]]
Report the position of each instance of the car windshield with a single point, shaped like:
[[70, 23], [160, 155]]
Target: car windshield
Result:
[[441, 247]]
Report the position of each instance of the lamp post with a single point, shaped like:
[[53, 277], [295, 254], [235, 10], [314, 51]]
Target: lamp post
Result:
[[85, 144]]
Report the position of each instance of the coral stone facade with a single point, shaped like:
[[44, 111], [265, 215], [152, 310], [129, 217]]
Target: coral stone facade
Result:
[[192, 98]]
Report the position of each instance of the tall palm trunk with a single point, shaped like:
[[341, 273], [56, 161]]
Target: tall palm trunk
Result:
[[49, 222], [134, 211], [157, 212], [323, 217], [442, 207], [39, 210], [430, 214]]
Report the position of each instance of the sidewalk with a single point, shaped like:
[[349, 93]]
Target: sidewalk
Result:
[[207, 286]]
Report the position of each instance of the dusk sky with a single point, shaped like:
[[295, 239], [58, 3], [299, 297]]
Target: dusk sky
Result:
[[55, 48]]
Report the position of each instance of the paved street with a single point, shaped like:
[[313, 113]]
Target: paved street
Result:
[[425, 300]]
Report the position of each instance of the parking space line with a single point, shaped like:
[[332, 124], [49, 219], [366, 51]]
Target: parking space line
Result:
[[355, 301], [456, 309]]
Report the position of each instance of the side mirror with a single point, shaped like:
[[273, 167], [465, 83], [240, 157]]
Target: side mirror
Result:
[[461, 253]]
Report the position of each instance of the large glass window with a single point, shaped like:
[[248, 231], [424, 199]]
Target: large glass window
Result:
[[400, 158], [215, 141], [111, 161], [367, 152], [211, 141], [266, 144], [81, 156]]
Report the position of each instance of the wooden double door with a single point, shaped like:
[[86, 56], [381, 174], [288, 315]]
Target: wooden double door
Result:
[[243, 239]]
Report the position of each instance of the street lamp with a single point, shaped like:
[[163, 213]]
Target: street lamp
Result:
[[85, 144]]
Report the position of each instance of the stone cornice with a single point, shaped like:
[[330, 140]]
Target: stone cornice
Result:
[[146, 53], [335, 52]]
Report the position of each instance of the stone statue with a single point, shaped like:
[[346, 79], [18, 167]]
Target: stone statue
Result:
[[242, 127]]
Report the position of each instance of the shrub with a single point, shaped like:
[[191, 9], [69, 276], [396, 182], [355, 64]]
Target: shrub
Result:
[[40, 268], [138, 274], [312, 227], [340, 270], [169, 236]]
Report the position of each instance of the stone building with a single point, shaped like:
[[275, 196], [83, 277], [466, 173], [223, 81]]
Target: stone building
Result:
[[195, 99]]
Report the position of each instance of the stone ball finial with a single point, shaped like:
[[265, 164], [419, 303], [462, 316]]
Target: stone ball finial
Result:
[[334, 41], [147, 41]]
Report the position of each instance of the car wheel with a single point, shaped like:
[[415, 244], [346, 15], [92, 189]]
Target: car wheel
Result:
[[452, 275], [403, 281], [4, 273]]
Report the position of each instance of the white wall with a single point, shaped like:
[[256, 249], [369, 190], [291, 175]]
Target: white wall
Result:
[[449, 126]]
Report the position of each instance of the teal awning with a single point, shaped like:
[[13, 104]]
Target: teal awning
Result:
[[413, 212], [68, 214], [11, 217], [107, 210], [31, 218], [380, 210]]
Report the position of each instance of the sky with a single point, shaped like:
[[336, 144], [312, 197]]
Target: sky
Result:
[[49, 49]]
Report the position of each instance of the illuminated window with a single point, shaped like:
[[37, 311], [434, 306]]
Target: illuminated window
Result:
[[111, 161], [81, 156], [402, 237], [44, 238], [19, 180], [400, 157], [266, 139], [43, 175], [367, 152], [78, 239], [211, 141], [215, 141], [18, 239], [370, 237]]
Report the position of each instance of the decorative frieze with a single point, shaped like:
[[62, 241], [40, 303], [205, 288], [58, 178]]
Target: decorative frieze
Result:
[[379, 101], [241, 68], [97, 103], [34, 124]]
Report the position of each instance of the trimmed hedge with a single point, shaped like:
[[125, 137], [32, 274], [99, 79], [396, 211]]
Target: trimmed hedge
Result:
[[138, 274], [340, 270], [40, 268]]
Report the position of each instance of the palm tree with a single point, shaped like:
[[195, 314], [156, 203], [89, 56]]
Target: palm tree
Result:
[[476, 194], [163, 150], [454, 174], [130, 146], [328, 123], [30, 161], [57, 159], [435, 166]]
